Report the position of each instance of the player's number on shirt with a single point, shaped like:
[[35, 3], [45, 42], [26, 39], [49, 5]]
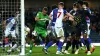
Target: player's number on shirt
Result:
[[59, 13]]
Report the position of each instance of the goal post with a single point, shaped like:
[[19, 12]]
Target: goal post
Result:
[[22, 29]]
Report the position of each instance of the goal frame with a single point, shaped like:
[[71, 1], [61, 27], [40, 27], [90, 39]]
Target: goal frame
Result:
[[22, 29]]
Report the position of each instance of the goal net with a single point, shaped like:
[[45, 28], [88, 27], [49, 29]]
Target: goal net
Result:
[[12, 27]]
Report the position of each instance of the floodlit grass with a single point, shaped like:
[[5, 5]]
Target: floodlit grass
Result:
[[37, 51]]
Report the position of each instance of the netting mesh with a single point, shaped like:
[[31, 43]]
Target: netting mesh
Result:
[[8, 8]]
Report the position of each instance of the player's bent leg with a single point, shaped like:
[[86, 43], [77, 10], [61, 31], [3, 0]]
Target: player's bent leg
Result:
[[77, 44], [50, 40], [76, 41], [47, 45], [43, 37], [87, 44], [73, 46], [45, 49], [80, 44], [47, 39], [34, 33], [6, 33], [90, 41], [14, 46], [60, 44], [3, 47], [60, 36], [82, 40], [92, 46], [31, 46], [68, 44]]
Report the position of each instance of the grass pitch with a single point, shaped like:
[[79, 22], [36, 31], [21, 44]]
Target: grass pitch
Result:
[[37, 51]]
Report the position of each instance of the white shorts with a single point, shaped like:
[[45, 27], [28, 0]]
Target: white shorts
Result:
[[27, 31], [8, 32], [88, 31], [59, 31]]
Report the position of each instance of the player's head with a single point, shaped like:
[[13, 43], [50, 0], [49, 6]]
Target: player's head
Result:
[[45, 10], [80, 3], [85, 4], [16, 13], [75, 6], [60, 5]]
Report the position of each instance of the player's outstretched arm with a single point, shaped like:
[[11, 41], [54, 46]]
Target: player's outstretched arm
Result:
[[70, 16], [50, 16], [37, 19], [45, 19], [65, 18]]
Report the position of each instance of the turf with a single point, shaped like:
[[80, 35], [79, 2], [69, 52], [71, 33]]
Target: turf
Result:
[[4, 52], [37, 51]]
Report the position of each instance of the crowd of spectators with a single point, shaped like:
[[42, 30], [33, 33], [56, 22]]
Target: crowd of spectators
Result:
[[95, 20]]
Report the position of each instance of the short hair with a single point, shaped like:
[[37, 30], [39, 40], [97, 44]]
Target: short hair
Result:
[[45, 8], [80, 2], [85, 3], [61, 3], [75, 5]]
